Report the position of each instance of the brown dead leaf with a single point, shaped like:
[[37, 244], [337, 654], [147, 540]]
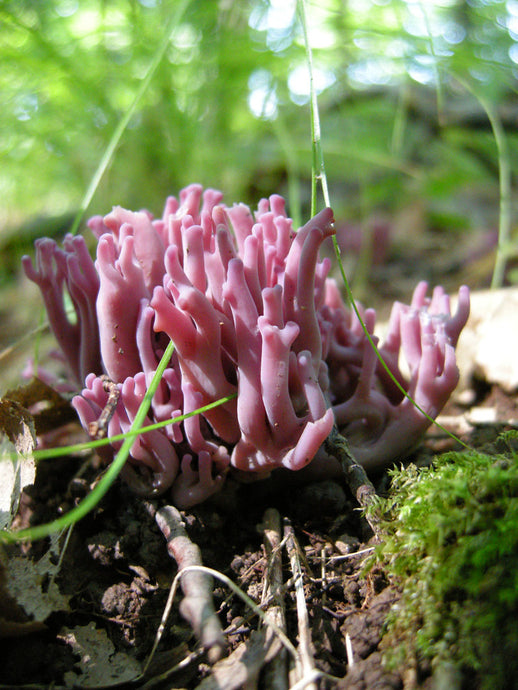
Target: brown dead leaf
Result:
[[14, 622], [18, 425], [50, 410], [100, 664], [28, 591]]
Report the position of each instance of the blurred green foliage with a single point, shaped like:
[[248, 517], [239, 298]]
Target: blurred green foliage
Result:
[[227, 106]]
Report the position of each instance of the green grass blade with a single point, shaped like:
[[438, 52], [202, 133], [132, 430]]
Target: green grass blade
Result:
[[47, 453], [504, 183], [435, 68], [318, 167]]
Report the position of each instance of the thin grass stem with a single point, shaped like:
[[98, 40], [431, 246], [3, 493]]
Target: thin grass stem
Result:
[[292, 171], [318, 167], [438, 83], [46, 453], [504, 185]]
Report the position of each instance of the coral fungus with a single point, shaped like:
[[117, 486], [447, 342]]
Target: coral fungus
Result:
[[253, 317]]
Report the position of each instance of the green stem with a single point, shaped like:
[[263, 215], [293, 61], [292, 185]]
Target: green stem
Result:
[[318, 167], [286, 143], [438, 82], [504, 186], [504, 182], [319, 173]]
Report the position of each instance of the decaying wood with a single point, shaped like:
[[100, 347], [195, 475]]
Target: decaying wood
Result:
[[197, 606]]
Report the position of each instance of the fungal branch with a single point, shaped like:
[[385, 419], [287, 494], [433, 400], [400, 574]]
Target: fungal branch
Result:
[[257, 325]]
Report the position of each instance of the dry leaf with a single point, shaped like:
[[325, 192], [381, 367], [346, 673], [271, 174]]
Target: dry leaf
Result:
[[17, 468], [49, 408], [100, 664], [28, 584], [487, 346], [14, 622]]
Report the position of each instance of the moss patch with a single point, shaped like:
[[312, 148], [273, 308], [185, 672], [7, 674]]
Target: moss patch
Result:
[[450, 536]]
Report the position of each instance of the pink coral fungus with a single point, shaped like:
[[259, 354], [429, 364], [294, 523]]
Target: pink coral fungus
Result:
[[253, 316]]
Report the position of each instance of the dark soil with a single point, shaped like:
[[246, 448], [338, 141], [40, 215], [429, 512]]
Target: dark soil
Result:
[[117, 572]]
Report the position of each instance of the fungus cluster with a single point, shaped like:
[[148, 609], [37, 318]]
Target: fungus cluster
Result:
[[253, 315]]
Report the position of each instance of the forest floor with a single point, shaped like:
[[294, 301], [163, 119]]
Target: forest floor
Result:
[[107, 595]]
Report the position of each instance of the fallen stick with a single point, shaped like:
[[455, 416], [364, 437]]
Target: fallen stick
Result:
[[276, 673], [242, 668], [197, 606], [99, 428], [307, 662], [358, 482]]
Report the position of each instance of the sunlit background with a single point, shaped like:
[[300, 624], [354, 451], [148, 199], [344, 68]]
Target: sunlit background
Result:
[[406, 95]]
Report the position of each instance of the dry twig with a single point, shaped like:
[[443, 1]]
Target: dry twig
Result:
[[306, 660], [242, 668], [99, 428], [276, 674], [197, 606], [361, 486]]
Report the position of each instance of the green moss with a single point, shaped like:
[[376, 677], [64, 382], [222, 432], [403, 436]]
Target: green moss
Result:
[[450, 535]]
